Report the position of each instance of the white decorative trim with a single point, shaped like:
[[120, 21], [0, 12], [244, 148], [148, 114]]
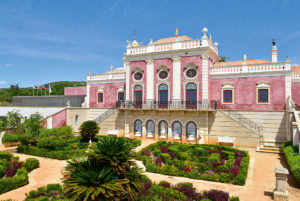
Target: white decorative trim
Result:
[[127, 66], [176, 78], [205, 66], [227, 86], [263, 85], [150, 80]]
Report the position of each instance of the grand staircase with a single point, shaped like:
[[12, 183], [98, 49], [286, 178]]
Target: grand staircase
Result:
[[266, 145]]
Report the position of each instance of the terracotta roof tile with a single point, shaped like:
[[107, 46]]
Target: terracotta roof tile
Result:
[[172, 39], [234, 63], [296, 69]]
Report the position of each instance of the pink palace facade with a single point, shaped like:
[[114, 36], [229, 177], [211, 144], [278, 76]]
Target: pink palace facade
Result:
[[177, 89]]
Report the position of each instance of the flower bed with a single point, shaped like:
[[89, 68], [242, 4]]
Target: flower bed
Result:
[[293, 158], [206, 162], [13, 173]]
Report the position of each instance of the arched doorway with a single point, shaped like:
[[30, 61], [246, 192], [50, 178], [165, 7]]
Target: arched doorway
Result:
[[191, 95], [150, 128], [163, 96]]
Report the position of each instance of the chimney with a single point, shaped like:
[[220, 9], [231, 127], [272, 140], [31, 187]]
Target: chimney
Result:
[[274, 52]]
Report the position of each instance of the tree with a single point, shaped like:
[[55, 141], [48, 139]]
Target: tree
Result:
[[223, 59], [3, 124], [107, 173], [33, 124], [88, 130], [14, 119]]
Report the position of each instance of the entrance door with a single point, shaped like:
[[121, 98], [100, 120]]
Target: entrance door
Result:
[[163, 96]]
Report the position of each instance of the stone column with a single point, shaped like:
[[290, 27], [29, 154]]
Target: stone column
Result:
[[183, 134], [150, 82], [127, 67], [176, 80], [205, 75], [280, 193], [295, 134], [170, 137], [144, 132], [126, 133]]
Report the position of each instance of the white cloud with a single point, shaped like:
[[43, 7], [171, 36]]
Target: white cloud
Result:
[[8, 65], [2, 82]]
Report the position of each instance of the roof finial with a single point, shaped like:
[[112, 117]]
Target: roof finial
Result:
[[210, 38], [273, 41], [177, 32], [111, 67], [134, 35], [245, 57]]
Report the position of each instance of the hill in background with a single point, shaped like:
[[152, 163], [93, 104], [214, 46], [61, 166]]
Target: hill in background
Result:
[[57, 88]]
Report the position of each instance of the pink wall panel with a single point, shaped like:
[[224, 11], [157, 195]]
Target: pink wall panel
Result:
[[59, 119], [245, 92], [143, 66], [168, 63], [198, 61], [110, 94], [73, 91], [296, 92]]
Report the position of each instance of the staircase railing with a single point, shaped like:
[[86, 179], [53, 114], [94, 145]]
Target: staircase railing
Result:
[[105, 115], [241, 119]]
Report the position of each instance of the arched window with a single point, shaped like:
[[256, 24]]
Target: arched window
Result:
[[176, 130], [163, 129], [138, 95], [76, 120], [138, 128], [163, 96], [150, 128], [191, 95], [191, 131]]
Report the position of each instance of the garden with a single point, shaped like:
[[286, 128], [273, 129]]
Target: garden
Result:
[[206, 162], [14, 173], [293, 158]]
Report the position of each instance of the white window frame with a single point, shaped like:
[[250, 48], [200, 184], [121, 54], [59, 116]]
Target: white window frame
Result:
[[263, 85], [227, 86]]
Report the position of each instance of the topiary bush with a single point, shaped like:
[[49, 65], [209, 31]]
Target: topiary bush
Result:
[[10, 183], [8, 137], [88, 130], [31, 164]]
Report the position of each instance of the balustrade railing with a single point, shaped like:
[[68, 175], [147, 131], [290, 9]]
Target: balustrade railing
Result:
[[177, 45], [248, 68], [295, 76], [106, 76], [169, 105]]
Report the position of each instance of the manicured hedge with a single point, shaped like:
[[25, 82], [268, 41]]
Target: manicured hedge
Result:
[[10, 183], [293, 159], [8, 137], [31, 164], [60, 154], [206, 162]]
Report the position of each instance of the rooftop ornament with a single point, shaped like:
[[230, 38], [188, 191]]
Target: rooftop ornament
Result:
[[204, 31]]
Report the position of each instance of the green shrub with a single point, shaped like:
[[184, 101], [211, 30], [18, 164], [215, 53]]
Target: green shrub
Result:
[[225, 177], [51, 142], [240, 179], [184, 156], [234, 199], [146, 179], [31, 164], [6, 156], [202, 167], [88, 130], [26, 139], [214, 157], [166, 157], [151, 167], [10, 183], [8, 137], [169, 192], [186, 184], [293, 159]]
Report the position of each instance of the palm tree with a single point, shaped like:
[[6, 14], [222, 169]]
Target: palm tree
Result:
[[107, 173]]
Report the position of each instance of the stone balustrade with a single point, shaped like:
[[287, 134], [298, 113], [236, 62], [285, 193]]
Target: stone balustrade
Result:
[[295, 76], [251, 68], [177, 45], [106, 76]]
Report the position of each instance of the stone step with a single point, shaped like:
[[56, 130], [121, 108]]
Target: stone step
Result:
[[269, 149]]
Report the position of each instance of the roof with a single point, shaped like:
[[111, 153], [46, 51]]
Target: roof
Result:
[[236, 63], [172, 39], [118, 70], [296, 69]]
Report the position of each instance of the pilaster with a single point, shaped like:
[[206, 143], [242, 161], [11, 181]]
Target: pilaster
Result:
[[176, 79], [127, 67], [205, 67], [170, 135], [150, 80]]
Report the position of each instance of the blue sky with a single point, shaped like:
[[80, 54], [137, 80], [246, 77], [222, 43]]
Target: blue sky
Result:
[[55, 40]]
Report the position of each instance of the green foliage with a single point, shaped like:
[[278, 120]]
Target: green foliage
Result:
[[214, 157], [108, 173], [3, 124], [10, 183], [293, 158], [5, 155], [167, 192], [31, 164], [14, 119], [56, 87], [52, 192], [88, 130], [186, 184], [8, 137], [234, 199], [33, 124]]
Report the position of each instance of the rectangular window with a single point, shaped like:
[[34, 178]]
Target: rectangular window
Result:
[[100, 97], [263, 95], [227, 96], [121, 96]]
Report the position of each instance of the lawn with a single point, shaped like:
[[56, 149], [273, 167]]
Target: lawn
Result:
[[206, 162]]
